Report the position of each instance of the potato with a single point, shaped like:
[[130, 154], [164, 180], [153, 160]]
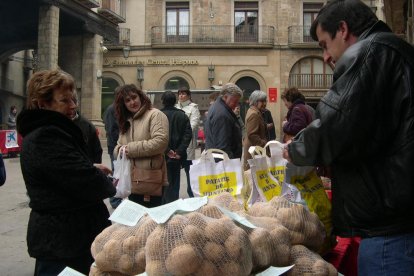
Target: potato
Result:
[[261, 247], [183, 260], [126, 264], [102, 262], [154, 244], [211, 211], [130, 245], [140, 261], [216, 230], [233, 246], [194, 235], [281, 255], [214, 252], [296, 238], [197, 219], [206, 269], [290, 219], [112, 249], [155, 267], [232, 269], [320, 268]]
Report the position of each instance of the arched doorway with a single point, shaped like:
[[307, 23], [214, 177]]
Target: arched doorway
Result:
[[247, 85], [108, 92], [175, 83]]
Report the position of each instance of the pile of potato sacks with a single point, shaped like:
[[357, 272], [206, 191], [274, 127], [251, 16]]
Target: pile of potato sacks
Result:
[[206, 242]]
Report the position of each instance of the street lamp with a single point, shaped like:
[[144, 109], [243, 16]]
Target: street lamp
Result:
[[211, 73], [125, 51], [140, 73]]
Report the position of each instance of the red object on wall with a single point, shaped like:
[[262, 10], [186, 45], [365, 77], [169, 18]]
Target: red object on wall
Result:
[[273, 95], [3, 138]]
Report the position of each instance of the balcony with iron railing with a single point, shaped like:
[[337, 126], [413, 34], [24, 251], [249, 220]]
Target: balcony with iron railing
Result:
[[124, 38], [310, 81], [299, 37], [113, 10], [89, 3], [214, 35]]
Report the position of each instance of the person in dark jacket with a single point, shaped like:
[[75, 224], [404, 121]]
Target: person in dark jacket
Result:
[[90, 135], [179, 138], [364, 131], [112, 135], [2, 171], [66, 190], [270, 125], [222, 129], [298, 116]]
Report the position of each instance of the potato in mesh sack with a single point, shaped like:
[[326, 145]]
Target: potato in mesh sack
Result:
[[227, 201], [198, 245], [122, 248], [304, 227], [309, 263], [270, 243]]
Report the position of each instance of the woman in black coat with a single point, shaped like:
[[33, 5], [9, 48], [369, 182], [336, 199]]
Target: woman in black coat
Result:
[[66, 190]]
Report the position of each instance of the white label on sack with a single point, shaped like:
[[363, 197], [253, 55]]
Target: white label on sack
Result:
[[128, 213], [162, 213], [275, 271], [70, 272], [236, 217]]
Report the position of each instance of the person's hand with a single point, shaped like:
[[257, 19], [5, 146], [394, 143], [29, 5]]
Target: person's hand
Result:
[[284, 122], [171, 154], [269, 126], [286, 152], [177, 156], [103, 168]]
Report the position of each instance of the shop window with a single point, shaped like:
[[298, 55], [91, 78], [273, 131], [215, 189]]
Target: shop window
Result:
[[178, 17], [246, 21]]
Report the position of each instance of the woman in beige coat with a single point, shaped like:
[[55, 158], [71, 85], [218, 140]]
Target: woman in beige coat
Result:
[[255, 125], [144, 130]]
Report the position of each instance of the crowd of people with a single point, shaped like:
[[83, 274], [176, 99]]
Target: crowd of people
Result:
[[368, 151]]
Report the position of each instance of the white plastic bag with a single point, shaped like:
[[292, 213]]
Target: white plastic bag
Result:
[[209, 178], [122, 173]]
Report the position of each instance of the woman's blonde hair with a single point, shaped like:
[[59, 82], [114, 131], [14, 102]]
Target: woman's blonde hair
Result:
[[41, 85]]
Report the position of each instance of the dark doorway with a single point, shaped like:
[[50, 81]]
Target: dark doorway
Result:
[[248, 85]]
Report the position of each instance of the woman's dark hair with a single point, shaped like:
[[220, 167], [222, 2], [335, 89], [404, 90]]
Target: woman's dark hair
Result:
[[121, 112], [357, 15], [185, 90], [292, 95], [168, 98]]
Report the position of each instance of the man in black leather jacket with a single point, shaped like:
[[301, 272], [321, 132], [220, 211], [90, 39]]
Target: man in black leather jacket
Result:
[[364, 130]]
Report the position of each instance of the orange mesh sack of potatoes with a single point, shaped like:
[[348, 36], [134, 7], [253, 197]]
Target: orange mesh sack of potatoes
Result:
[[304, 227], [122, 248], [270, 243], [194, 244], [307, 262]]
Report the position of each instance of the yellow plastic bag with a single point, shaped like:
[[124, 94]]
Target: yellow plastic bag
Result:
[[313, 193]]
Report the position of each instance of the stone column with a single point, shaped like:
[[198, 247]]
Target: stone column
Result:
[[48, 37], [92, 80]]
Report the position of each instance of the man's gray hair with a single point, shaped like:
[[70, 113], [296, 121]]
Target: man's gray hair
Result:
[[231, 89], [256, 96]]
